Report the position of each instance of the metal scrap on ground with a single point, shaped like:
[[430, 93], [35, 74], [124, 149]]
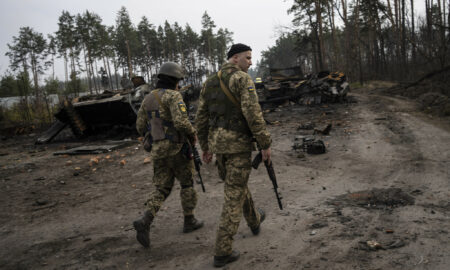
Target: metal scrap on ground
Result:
[[96, 149]]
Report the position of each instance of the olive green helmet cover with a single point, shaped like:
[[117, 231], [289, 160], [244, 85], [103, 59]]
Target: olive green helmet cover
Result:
[[172, 69]]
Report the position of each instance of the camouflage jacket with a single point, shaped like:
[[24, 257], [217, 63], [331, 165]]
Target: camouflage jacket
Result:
[[224, 141], [173, 110]]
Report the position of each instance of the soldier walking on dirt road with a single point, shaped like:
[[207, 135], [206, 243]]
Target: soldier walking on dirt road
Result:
[[228, 117], [163, 114]]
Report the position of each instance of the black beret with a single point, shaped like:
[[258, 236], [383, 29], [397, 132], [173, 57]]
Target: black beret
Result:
[[237, 48]]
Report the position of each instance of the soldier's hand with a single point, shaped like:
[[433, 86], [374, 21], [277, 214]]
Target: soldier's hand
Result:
[[207, 157], [266, 154]]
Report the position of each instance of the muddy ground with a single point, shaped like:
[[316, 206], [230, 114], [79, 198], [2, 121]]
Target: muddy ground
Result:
[[377, 199]]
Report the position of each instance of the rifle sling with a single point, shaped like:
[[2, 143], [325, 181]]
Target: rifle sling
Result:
[[155, 94], [226, 91]]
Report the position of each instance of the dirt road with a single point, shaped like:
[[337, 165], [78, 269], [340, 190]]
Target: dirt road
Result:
[[378, 199]]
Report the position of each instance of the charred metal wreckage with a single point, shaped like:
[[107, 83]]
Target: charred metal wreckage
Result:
[[94, 114], [290, 84]]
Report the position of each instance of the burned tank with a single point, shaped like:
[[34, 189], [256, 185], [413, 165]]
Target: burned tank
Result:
[[94, 114], [290, 84], [100, 113]]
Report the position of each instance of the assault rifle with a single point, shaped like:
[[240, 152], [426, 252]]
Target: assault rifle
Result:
[[194, 151], [269, 166], [197, 163]]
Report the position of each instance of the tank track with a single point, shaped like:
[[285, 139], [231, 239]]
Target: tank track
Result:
[[76, 124]]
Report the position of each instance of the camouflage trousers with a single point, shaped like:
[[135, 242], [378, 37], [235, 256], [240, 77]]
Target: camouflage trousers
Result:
[[234, 169], [165, 170]]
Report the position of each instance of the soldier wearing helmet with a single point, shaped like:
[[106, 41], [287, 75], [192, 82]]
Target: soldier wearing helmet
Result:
[[163, 114]]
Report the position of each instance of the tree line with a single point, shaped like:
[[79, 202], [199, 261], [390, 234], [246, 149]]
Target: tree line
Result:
[[367, 39], [97, 56]]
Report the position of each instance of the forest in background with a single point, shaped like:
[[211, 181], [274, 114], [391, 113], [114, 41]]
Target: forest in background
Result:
[[99, 57], [368, 40], [105, 54]]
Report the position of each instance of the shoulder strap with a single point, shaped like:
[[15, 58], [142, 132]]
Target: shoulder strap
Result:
[[157, 97], [226, 91]]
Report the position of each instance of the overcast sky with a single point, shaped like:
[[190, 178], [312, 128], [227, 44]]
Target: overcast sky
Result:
[[253, 22]]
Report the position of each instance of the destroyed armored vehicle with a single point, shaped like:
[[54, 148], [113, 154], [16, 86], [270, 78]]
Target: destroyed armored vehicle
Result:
[[290, 84], [332, 87], [94, 114], [101, 113]]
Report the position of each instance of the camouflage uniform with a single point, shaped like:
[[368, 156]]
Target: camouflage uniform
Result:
[[169, 161], [229, 136]]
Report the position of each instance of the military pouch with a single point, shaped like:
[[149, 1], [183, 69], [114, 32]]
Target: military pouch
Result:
[[148, 142]]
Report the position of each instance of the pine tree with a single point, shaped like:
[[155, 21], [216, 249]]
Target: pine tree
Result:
[[28, 50]]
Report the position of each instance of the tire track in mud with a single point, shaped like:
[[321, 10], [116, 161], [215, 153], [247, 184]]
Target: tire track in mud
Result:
[[409, 160], [397, 160]]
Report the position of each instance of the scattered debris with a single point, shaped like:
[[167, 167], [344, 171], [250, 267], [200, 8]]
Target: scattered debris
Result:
[[309, 145], [323, 130], [123, 162], [318, 225], [396, 244], [374, 245], [306, 126], [289, 84], [147, 160], [93, 161], [40, 202], [314, 146], [96, 149]]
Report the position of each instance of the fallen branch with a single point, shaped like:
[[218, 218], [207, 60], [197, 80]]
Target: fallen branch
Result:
[[429, 75]]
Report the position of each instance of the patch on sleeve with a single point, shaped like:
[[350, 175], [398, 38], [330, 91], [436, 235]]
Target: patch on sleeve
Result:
[[182, 106], [251, 88]]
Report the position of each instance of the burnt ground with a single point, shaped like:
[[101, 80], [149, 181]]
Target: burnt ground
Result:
[[377, 199]]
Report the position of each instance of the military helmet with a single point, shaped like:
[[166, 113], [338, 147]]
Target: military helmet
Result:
[[171, 69]]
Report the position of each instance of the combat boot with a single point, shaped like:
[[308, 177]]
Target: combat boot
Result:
[[142, 227], [220, 261], [191, 224], [262, 215]]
